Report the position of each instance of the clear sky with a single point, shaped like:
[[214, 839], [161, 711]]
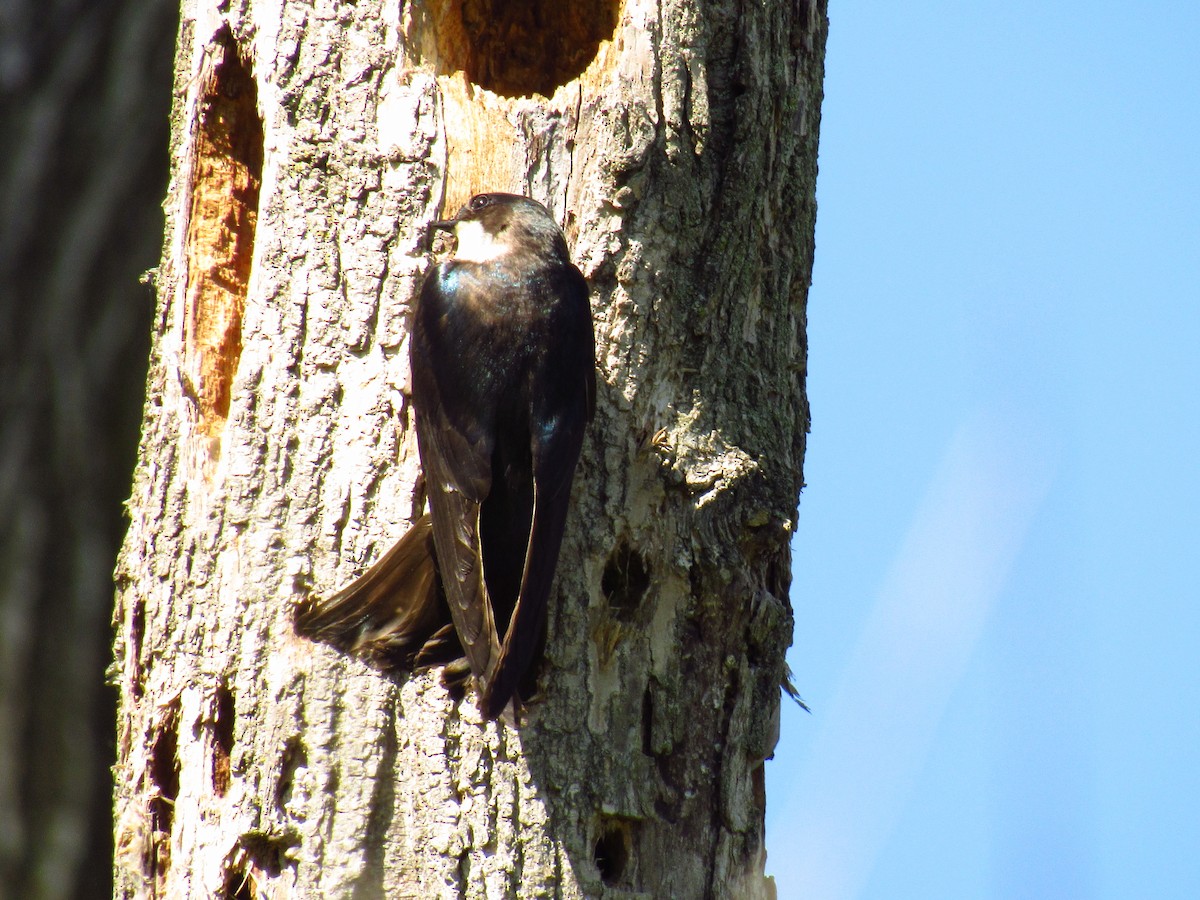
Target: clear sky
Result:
[[996, 593]]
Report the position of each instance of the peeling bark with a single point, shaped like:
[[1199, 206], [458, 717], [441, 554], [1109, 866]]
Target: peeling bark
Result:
[[677, 145]]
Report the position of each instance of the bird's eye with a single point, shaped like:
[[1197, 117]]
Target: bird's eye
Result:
[[479, 201]]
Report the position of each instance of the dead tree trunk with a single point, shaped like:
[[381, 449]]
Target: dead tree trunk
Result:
[[676, 142]]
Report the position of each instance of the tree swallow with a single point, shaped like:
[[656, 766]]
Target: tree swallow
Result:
[[503, 385]]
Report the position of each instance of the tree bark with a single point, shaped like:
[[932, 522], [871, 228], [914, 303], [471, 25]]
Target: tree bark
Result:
[[84, 95], [676, 143]]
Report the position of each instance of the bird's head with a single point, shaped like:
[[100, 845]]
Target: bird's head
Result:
[[490, 226]]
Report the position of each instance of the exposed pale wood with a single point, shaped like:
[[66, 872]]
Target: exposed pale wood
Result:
[[681, 158]]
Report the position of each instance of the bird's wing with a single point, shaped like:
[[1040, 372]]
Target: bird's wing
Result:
[[455, 435], [563, 400], [391, 612]]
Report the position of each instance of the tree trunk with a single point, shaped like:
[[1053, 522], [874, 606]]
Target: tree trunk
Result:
[[84, 94], [676, 144]]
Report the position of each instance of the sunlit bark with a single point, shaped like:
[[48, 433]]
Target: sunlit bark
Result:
[[676, 143]]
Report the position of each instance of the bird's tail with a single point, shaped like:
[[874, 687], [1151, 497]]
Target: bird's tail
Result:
[[394, 615]]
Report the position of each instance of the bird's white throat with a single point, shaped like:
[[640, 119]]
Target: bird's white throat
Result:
[[475, 244]]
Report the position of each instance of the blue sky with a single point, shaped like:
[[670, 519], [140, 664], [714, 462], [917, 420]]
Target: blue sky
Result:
[[997, 607]]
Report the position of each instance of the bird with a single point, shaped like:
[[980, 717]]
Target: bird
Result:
[[503, 365]]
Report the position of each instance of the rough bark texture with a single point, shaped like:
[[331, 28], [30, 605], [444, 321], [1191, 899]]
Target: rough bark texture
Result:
[[84, 96], [677, 143]]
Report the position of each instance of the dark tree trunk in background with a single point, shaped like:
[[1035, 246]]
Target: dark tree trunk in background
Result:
[[84, 97]]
